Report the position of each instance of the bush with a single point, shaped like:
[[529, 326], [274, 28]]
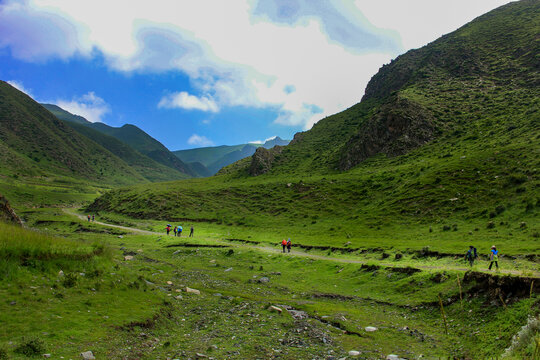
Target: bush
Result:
[[70, 280], [3, 354], [490, 225], [30, 347], [523, 343]]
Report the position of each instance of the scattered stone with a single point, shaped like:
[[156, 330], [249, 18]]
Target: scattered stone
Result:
[[140, 250], [179, 297], [213, 261], [275, 273], [13, 303], [46, 355], [264, 279], [148, 282], [82, 274], [229, 269], [128, 257], [177, 252], [178, 290], [275, 308], [371, 328], [192, 291], [201, 355], [88, 355], [169, 282], [60, 273], [120, 237], [218, 294], [392, 357], [354, 353], [298, 314]]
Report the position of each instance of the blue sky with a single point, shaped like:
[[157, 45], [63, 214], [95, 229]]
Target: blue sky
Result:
[[210, 72]]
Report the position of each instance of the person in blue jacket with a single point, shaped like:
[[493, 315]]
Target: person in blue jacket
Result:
[[494, 257]]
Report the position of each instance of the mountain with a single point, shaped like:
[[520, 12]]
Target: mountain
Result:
[[148, 168], [145, 144], [132, 136], [448, 133], [35, 143], [216, 157]]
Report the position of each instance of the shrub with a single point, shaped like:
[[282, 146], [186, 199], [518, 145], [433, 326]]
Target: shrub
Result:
[[70, 280], [490, 225], [523, 343], [30, 347], [446, 228], [3, 354]]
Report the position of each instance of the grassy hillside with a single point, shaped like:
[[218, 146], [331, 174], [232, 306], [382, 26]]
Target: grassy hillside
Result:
[[460, 156], [39, 144], [145, 144], [65, 115]]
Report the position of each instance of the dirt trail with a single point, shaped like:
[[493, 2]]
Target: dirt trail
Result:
[[278, 250]]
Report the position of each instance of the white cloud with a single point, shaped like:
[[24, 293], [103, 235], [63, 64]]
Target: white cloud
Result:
[[89, 106], [184, 100], [19, 86], [200, 140], [287, 55], [270, 138], [256, 142]]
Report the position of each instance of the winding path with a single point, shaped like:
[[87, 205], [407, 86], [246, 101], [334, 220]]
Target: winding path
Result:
[[268, 249]]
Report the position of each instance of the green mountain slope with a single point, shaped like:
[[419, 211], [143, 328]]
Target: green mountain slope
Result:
[[145, 144], [150, 169], [446, 135], [37, 143]]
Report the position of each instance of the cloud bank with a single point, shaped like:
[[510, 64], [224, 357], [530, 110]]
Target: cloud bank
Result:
[[306, 59], [89, 106], [201, 141]]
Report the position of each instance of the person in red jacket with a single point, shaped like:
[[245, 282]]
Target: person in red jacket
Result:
[[284, 244]]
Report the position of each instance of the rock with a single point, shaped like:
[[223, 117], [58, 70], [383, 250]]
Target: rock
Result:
[[169, 282], [46, 355], [201, 355], [275, 308], [263, 159], [371, 328], [298, 315], [392, 357], [354, 353], [88, 355], [60, 273], [128, 257], [177, 252], [120, 237], [178, 290], [179, 297], [148, 282], [229, 269], [264, 279], [213, 261], [13, 303], [192, 291], [140, 250]]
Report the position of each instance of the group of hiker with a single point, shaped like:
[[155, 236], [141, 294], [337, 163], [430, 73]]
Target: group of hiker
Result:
[[493, 256], [90, 218], [286, 244], [178, 230]]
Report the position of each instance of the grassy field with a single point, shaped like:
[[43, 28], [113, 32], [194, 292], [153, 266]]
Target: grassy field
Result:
[[129, 308]]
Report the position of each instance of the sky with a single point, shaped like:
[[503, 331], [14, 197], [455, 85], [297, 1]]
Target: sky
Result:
[[197, 73]]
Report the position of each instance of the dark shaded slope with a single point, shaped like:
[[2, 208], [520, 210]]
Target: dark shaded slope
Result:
[[145, 144], [150, 169], [48, 144]]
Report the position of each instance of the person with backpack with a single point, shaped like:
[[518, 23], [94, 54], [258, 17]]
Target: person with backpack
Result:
[[494, 257], [471, 255], [191, 231], [175, 229], [179, 230], [289, 244], [168, 229], [88, 218], [284, 244]]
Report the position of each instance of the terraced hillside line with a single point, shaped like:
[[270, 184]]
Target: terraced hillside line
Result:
[[276, 250]]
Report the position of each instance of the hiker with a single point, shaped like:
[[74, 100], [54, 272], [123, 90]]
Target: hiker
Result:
[[471, 255], [168, 228], [175, 230], [494, 257], [179, 231], [289, 244], [191, 231], [93, 218], [284, 244], [88, 218]]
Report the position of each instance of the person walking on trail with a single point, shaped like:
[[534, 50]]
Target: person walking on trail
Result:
[[179, 231], [494, 257], [284, 244], [93, 218], [471, 255], [175, 230], [289, 244], [88, 218], [168, 229], [191, 231]]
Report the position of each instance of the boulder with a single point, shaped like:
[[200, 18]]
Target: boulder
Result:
[[88, 355], [275, 309], [370, 328], [192, 291], [264, 279], [128, 257], [354, 353]]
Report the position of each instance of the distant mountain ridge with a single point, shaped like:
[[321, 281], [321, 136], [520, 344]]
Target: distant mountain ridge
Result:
[[216, 157], [131, 136]]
